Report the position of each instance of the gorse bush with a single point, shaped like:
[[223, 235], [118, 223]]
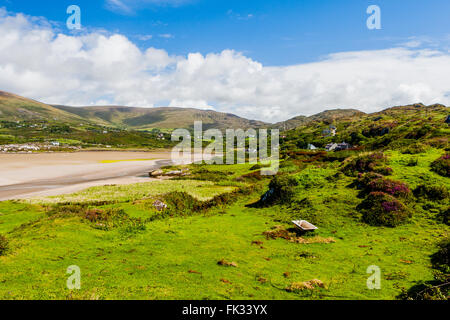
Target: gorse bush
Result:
[[431, 192], [4, 243], [442, 166], [382, 209]]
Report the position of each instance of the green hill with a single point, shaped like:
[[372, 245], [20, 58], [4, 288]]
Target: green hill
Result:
[[162, 118], [16, 108], [394, 128], [329, 116]]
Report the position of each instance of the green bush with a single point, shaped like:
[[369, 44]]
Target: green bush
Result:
[[441, 259], [281, 190], [385, 171], [431, 192], [183, 204], [414, 149], [363, 164], [442, 166], [204, 174], [4, 243], [412, 162], [381, 209]]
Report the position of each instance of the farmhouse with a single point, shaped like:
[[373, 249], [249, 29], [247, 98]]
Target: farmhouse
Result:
[[338, 146]]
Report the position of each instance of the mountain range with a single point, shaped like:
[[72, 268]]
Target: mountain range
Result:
[[17, 108]]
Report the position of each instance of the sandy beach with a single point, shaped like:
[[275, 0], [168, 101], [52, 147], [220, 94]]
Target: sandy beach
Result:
[[46, 174]]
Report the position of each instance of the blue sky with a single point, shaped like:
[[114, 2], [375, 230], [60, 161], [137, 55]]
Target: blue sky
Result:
[[267, 60], [273, 32]]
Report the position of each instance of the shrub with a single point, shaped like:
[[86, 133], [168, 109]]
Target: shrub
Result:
[[260, 166], [281, 190], [441, 259], [435, 192], [414, 149], [4, 243], [394, 188], [385, 171], [206, 175], [381, 209], [442, 166], [363, 164], [365, 179], [183, 204], [412, 162], [444, 216], [180, 203]]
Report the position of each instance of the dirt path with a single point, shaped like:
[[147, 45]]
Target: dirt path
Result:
[[29, 175]]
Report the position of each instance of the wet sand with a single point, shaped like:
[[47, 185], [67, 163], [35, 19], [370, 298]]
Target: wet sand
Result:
[[46, 174]]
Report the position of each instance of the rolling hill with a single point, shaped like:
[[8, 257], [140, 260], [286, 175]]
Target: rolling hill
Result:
[[329, 116], [162, 118], [17, 108]]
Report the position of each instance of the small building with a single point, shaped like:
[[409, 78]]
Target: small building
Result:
[[343, 146], [331, 146], [338, 146], [312, 147]]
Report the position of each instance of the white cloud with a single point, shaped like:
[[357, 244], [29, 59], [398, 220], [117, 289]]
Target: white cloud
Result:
[[94, 68], [145, 37], [197, 104]]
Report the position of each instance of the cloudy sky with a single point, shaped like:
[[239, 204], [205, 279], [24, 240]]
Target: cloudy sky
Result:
[[267, 60]]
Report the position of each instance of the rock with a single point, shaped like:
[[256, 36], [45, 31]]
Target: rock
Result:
[[155, 173], [159, 205], [174, 173]]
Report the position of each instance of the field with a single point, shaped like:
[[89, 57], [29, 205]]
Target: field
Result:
[[216, 241]]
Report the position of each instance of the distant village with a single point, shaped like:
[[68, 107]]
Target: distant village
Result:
[[35, 147]]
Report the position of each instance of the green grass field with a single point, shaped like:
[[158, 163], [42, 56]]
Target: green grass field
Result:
[[176, 256]]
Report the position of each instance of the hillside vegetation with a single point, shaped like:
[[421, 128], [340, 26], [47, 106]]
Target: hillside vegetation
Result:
[[162, 118], [226, 232]]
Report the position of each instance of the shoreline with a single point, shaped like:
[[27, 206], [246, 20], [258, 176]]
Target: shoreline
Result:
[[28, 175]]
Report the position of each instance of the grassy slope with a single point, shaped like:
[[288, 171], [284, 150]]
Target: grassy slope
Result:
[[155, 263], [407, 125], [328, 115], [162, 118], [14, 108]]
